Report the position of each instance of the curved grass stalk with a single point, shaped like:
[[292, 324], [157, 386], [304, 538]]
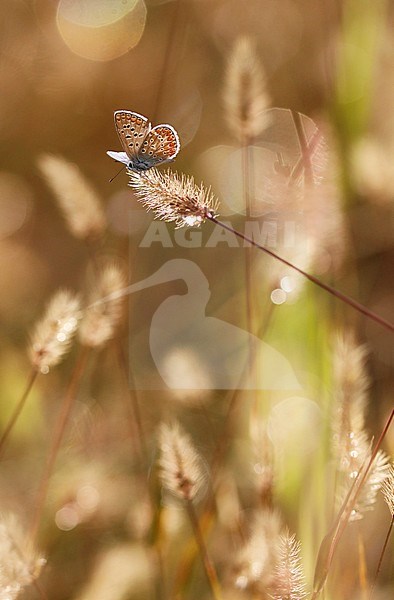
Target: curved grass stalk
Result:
[[18, 409], [60, 427], [333, 291], [330, 542]]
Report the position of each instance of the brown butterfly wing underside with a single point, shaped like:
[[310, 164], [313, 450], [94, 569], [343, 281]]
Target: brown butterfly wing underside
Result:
[[160, 145], [132, 130]]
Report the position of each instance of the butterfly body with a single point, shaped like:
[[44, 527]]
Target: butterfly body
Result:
[[144, 147]]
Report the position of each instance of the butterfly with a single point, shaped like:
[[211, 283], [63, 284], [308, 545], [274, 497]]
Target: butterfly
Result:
[[143, 146]]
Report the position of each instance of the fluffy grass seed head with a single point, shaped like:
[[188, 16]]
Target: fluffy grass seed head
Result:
[[388, 489], [351, 385], [181, 467], [245, 94], [173, 198], [289, 574], [78, 201], [358, 457], [53, 334], [377, 475], [20, 564], [102, 314], [350, 440], [351, 377]]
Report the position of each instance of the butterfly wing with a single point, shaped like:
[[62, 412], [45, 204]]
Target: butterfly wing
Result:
[[132, 130], [119, 156], [160, 145]]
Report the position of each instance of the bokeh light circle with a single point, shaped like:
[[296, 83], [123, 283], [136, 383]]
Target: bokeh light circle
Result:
[[278, 296], [101, 30], [67, 518], [294, 419], [15, 204], [287, 284]]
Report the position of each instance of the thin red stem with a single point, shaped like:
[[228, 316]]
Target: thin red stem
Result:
[[332, 539], [60, 428], [18, 409], [334, 292], [386, 541], [208, 565], [167, 55], [134, 403]]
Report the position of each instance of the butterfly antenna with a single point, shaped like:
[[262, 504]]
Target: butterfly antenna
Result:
[[112, 178]]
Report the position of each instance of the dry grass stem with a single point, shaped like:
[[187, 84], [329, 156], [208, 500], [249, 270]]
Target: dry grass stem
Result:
[[53, 334], [182, 474], [49, 343], [57, 438], [210, 570], [78, 201], [245, 104], [324, 286], [246, 97], [178, 199], [173, 198], [20, 563], [331, 540], [103, 315], [17, 410]]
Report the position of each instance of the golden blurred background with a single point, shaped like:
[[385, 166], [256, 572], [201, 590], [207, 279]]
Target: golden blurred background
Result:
[[65, 67]]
